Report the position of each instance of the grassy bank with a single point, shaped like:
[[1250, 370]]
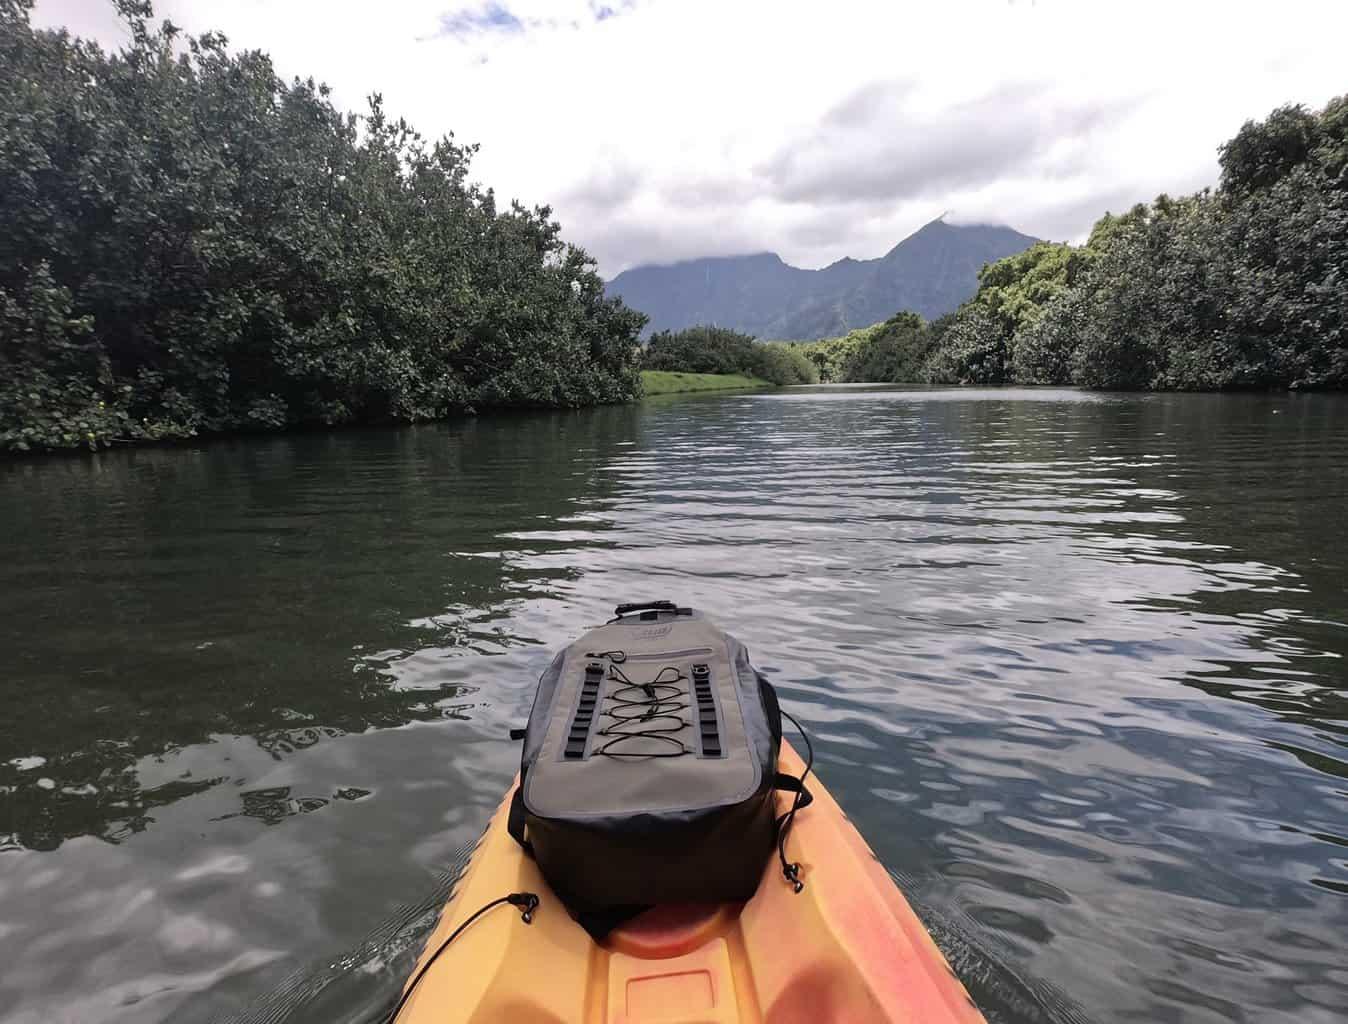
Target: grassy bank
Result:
[[669, 382]]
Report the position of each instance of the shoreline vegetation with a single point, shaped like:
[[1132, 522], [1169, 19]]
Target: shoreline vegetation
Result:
[[667, 382], [717, 350], [194, 247], [1240, 287]]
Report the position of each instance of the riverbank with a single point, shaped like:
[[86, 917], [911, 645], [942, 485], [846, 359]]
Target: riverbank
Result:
[[671, 382]]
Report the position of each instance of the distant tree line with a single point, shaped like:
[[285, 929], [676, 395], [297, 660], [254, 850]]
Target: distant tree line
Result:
[[1242, 286], [898, 349], [192, 245], [719, 350]]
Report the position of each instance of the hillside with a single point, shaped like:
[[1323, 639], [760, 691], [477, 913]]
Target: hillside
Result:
[[930, 272]]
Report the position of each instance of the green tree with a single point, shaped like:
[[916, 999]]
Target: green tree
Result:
[[238, 254], [1262, 152], [1044, 351], [895, 350], [973, 350], [720, 350], [53, 376], [781, 363], [1241, 287], [1016, 289], [699, 350]]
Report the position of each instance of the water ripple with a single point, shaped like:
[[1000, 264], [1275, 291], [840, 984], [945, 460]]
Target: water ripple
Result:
[[1074, 664]]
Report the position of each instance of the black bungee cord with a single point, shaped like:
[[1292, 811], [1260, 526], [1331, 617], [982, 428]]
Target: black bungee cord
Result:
[[526, 901], [790, 869]]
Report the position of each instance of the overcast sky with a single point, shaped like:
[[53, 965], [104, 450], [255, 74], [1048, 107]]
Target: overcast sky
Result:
[[666, 129]]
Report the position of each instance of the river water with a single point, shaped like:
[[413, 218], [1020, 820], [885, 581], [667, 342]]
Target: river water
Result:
[[1073, 663]]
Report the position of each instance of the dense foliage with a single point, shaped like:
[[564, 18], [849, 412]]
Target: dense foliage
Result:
[[895, 350], [192, 245], [719, 350], [1242, 286]]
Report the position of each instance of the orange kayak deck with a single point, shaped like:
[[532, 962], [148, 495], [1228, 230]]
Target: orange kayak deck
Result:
[[847, 948]]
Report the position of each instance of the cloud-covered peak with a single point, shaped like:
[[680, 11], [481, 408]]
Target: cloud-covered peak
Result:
[[971, 219]]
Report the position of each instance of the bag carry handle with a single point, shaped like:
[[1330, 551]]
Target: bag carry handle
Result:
[[645, 606]]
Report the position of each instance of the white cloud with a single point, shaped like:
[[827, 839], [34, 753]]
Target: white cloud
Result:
[[664, 129]]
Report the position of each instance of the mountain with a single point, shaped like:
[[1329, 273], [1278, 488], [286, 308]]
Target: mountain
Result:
[[930, 272]]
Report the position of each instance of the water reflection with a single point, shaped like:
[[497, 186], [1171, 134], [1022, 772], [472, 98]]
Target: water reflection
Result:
[[1074, 664], [156, 598]]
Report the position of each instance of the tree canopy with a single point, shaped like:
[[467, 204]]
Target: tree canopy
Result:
[[1242, 286], [719, 350], [193, 245]]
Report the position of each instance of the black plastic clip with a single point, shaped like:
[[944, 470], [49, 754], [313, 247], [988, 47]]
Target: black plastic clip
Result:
[[528, 901]]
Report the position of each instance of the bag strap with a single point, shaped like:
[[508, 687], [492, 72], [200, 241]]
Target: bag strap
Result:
[[515, 821], [793, 784]]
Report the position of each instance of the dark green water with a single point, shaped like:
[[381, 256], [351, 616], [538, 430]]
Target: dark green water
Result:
[[1075, 665]]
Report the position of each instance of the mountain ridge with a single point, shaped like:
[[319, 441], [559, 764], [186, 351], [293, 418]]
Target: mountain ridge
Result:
[[930, 272]]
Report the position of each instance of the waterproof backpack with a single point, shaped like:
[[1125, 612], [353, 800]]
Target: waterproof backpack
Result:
[[649, 768]]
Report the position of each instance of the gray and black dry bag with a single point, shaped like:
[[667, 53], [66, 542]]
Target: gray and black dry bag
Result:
[[649, 765]]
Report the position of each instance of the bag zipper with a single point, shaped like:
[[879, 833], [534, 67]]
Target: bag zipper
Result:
[[657, 655]]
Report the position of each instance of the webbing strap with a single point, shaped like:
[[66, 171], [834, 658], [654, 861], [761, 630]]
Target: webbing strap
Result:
[[793, 784], [515, 821]]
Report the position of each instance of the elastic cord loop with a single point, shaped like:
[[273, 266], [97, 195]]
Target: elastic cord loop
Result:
[[526, 901], [790, 869]]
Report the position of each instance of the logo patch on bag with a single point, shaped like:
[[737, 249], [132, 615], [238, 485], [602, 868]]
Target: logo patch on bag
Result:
[[654, 632]]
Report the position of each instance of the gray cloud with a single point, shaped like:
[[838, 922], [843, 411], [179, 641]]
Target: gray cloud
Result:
[[593, 106], [730, 190], [609, 188], [869, 161], [616, 182], [619, 242], [873, 100], [1066, 219], [869, 171], [826, 229], [870, 148]]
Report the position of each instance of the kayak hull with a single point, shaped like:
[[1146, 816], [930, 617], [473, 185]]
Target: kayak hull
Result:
[[848, 947]]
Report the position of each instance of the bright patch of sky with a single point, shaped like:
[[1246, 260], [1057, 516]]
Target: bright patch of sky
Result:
[[667, 129]]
